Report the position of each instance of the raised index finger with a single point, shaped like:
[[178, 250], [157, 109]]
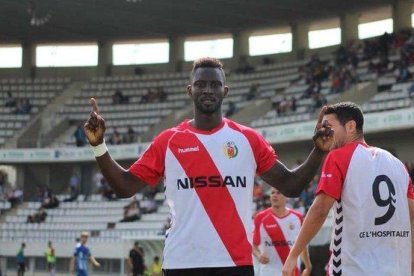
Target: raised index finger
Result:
[[321, 114], [94, 105]]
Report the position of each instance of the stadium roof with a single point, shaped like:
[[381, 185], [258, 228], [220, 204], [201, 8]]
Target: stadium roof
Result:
[[86, 20]]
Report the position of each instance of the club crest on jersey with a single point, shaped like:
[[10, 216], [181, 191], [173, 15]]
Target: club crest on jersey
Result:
[[230, 150], [291, 226]]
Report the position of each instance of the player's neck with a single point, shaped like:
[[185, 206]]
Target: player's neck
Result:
[[280, 211], [206, 121]]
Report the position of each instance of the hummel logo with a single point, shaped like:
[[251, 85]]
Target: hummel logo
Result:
[[184, 150], [271, 226], [327, 175]]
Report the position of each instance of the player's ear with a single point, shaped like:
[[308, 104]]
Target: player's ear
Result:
[[226, 90], [351, 126], [189, 90]]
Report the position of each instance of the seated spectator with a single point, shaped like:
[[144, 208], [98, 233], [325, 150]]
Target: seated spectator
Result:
[[293, 104], [50, 202], [115, 138], [156, 268], [231, 110], [403, 74], [130, 136], [80, 136], [10, 101], [73, 188], [38, 217], [23, 106], [15, 197], [283, 106], [132, 211], [149, 206], [119, 98]]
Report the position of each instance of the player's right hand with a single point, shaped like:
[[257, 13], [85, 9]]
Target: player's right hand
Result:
[[263, 259], [95, 126]]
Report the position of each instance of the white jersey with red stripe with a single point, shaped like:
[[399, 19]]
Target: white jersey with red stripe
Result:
[[371, 233], [208, 178], [275, 236]]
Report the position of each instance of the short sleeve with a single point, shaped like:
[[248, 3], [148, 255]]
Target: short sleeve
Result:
[[150, 166], [256, 229], [264, 154], [410, 190], [332, 177]]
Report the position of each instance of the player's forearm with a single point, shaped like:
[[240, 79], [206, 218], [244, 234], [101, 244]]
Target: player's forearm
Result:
[[313, 222], [300, 177], [305, 258], [121, 181]]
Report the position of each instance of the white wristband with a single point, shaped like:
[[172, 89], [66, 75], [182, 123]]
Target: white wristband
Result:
[[100, 149]]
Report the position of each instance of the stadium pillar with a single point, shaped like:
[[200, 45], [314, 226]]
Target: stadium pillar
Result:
[[29, 60], [176, 58], [401, 14], [104, 58], [240, 47], [349, 27], [300, 40]]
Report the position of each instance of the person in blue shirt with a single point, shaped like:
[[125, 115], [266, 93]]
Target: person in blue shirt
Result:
[[81, 256], [21, 266]]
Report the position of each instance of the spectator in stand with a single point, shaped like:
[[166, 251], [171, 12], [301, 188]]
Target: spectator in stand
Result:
[[318, 100], [115, 138], [293, 105], [50, 201], [37, 217], [132, 211], [149, 206], [15, 197], [10, 101], [403, 74], [119, 98], [74, 187], [80, 136], [283, 106], [130, 136], [308, 195]]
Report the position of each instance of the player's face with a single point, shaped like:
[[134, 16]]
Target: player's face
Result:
[[340, 135], [83, 239], [207, 90], [277, 198]]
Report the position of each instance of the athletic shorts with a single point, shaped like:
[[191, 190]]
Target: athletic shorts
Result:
[[208, 271], [81, 272]]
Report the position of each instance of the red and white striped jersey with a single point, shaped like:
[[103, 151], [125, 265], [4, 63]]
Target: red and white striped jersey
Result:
[[209, 178], [371, 233], [275, 236]]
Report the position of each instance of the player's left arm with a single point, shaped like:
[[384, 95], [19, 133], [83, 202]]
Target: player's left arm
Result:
[[292, 182], [306, 261], [94, 261], [313, 222]]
